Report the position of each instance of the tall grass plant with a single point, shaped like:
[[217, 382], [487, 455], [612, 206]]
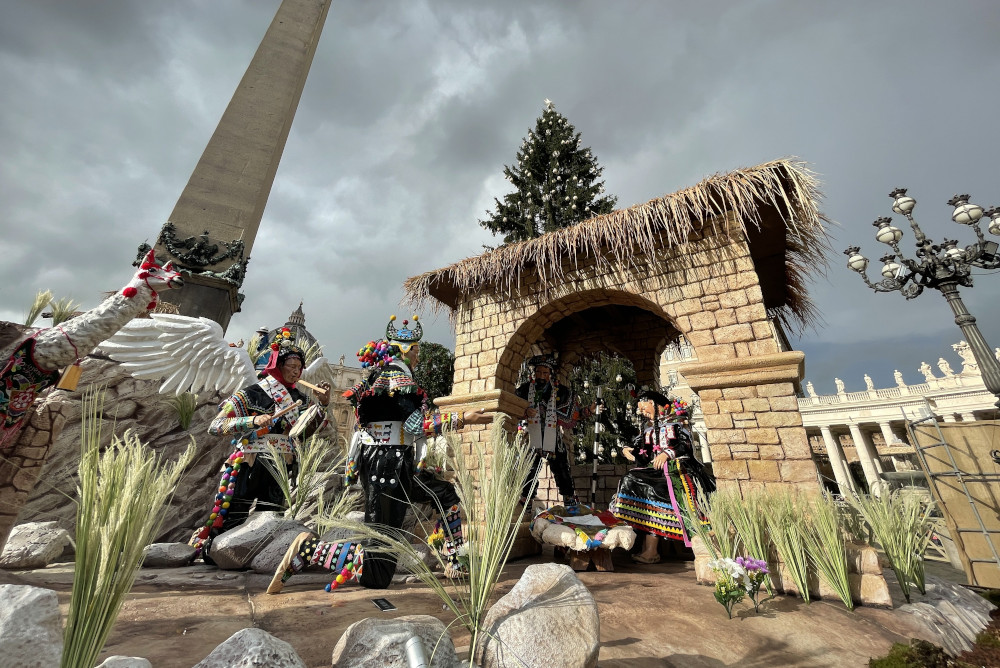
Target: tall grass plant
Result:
[[826, 548], [900, 523], [751, 526], [122, 494], [62, 310], [42, 299], [184, 405], [719, 509], [787, 526], [489, 487]]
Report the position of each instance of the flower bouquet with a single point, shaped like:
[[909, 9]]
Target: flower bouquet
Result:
[[755, 571], [730, 582]]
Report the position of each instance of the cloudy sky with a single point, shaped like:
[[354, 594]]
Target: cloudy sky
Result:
[[413, 107]]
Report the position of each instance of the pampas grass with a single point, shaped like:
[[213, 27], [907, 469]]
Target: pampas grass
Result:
[[184, 406], [488, 488], [122, 494], [826, 548], [719, 510], [700, 528], [42, 299], [786, 523], [900, 523], [62, 310], [316, 470]]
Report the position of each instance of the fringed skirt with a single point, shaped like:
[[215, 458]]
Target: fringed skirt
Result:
[[649, 500]]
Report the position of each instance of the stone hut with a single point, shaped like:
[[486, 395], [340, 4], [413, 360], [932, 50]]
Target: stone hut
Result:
[[723, 263]]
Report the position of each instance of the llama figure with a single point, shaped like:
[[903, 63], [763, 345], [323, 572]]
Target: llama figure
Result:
[[35, 363]]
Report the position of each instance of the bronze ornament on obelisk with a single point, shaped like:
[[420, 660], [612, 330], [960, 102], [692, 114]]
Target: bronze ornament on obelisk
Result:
[[211, 231]]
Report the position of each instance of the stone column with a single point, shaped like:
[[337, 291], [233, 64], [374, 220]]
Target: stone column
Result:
[[837, 461], [755, 431], [706, 452], [867, 456], [887, 434]]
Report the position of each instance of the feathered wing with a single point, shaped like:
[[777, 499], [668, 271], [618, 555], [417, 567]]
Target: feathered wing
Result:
[[318, 372], [190, 354]]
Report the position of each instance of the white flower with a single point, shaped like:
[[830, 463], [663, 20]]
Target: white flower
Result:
[[463, 549], [574, 206], [574, 198]]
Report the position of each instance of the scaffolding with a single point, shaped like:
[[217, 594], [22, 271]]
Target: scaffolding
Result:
[[948, 473]]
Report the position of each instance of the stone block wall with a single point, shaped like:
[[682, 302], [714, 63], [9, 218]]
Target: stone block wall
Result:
[[707, 290]]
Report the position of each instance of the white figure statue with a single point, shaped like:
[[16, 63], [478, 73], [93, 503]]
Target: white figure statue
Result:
[[945, 367], [899, 378], [925, 369], [810, 389], [969, 364], [868, 383], [840, 385], [342, 358]]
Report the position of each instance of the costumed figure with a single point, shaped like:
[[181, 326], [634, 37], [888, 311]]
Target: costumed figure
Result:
[[388, 454], [551, 408], [651, 498], [261, 416]]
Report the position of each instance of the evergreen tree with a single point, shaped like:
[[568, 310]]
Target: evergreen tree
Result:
[[556, 180], [618, 419], [435, 370]]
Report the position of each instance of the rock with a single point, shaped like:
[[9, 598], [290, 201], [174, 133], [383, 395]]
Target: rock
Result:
[[252, 648], [118, 661], [34, 545], [168, 555], [382, 642], [267, 561], [31, 633], [139, 406], [408, 565], [548, 619], [337, 533], [948, 615], [236, 548]]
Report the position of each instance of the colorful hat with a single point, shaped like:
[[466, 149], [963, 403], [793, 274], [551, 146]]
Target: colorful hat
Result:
[[405, 337], [282, 347], [547, 360]]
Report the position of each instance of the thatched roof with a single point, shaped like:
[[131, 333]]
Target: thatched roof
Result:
[[775, 207]]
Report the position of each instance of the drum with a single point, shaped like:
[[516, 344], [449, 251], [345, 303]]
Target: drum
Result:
[[307, 423]]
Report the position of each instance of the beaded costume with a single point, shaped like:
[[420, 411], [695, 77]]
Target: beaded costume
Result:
[[242, 481], [555, 408], [650, 499], [387, 455]]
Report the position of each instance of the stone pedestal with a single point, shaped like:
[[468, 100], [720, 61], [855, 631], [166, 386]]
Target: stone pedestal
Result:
[[751, 411]]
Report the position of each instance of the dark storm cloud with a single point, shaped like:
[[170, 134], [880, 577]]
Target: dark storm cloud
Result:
[[412, 108]]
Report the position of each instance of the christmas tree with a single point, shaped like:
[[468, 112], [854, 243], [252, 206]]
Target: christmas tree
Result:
[[556, 180]]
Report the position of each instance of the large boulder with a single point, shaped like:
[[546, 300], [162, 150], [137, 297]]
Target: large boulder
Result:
[[31, 634], [382, 642], [119, 661], [168, 555], [268, 559], [252, 648], [34, 545], [548, 620], [236, 549]]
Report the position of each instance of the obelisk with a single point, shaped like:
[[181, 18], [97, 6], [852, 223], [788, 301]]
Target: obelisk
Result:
[[211, 231]]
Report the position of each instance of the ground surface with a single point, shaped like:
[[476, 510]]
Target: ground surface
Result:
[[651, 615]]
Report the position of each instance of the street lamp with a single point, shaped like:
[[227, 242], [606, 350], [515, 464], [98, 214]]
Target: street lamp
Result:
[[943, 267]]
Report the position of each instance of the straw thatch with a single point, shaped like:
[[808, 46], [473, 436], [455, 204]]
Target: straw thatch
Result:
[[786, 186]]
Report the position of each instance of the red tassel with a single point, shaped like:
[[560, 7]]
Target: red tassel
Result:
[[203, 534], [130, 292], [217, 524], [150, 306]]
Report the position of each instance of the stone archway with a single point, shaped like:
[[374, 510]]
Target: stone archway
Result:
[[718, 263]]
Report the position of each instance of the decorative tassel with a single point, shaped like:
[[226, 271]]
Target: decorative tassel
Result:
[[70, 377]]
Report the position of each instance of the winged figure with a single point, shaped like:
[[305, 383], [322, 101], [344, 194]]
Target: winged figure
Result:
[[191, 355]]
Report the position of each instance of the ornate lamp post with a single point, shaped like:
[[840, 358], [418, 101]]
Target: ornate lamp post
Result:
[[943, 267]]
